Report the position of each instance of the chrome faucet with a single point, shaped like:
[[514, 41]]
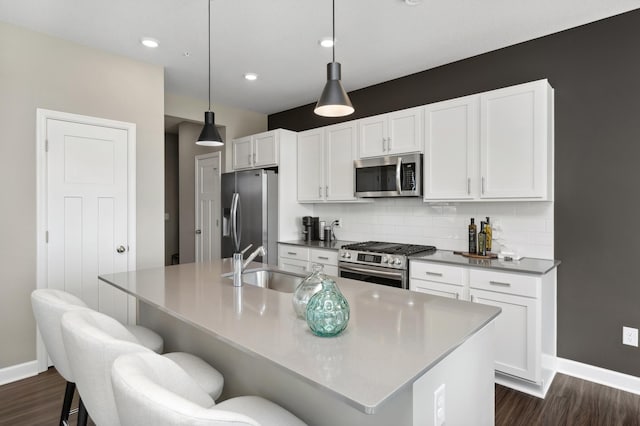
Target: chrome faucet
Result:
[[239, 264]]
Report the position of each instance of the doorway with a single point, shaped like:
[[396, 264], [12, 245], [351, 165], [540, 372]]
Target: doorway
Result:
[[207, 208], [86, 209]]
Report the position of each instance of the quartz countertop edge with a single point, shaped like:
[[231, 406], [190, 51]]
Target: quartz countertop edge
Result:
[[333, 245], [199, 296], [528, 265]]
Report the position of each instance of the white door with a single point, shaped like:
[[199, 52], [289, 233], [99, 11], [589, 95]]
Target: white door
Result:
[[242, 153], [404, 133], [207, 207], [265, 149], [88, 209], [372, 133]]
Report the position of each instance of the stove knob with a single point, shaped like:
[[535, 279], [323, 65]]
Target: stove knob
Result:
[[348, 255], [342, 255], [384, 259], [397, 262]]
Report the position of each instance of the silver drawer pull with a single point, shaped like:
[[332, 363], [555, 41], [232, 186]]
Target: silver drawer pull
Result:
[[500, 283], [435, 274], [457, 296], [292, 253], [323, 258]]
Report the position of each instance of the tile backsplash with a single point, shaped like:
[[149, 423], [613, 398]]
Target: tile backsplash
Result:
[[522, 227]]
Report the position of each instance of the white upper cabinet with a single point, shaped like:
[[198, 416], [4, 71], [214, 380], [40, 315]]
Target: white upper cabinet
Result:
[[496, 145], [260, 150], [397, 132], [451, 150], [325, 163], [516, 142]]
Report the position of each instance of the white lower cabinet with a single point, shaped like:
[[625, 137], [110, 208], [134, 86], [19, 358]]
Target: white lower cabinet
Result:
[[526, 327], [300, 259]]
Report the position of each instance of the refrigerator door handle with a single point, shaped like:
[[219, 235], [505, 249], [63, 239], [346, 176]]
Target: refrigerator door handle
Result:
[[236, 229]]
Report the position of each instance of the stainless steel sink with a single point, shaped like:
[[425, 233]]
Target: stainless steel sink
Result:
[[285, 282]]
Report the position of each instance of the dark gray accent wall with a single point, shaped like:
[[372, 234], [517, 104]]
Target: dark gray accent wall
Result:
[[595, 71]]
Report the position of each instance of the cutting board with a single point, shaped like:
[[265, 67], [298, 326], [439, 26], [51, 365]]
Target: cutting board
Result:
[[476, 256]]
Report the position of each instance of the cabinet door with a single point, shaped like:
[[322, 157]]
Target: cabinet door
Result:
[[372, 135], [311, 165], [517, 335], [242, 153], [265, 149], [451, 150], [340, 151], [514, 141], [437, 289], [405, 131]]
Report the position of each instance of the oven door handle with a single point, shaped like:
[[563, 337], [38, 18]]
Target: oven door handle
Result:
[[370, 271]]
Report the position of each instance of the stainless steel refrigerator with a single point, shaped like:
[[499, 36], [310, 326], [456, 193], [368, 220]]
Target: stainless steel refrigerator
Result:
[[251, 217]]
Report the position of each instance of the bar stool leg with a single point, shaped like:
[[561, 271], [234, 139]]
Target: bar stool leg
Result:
[[82, 414], [66, 404]]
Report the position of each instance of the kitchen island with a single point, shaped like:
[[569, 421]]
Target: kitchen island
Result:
[[398, 349]]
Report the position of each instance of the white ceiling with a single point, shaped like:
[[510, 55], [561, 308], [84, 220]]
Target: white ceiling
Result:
[[377, 40]]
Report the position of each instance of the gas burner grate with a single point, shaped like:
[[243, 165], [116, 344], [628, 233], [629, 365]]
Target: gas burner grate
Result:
[[389, 248]]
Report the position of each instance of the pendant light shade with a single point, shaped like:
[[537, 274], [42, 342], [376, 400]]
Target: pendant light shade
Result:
[[334, 101], [209, 135]]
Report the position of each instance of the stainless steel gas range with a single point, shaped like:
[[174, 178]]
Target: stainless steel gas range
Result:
[[378, 262]]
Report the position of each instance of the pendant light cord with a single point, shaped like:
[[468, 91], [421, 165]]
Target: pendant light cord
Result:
[[209, 39], [333, 12]]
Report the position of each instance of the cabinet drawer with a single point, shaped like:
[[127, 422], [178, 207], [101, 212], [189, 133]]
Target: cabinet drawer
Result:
[[523, 285], [437, 272], [293, 265], [327, 257], [451, 291], [293, 252]]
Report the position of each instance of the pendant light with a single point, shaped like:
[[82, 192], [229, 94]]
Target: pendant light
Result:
[[334, 101], [209, 135]]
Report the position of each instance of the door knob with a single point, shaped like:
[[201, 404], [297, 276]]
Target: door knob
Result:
[[121, 249], [198, 232]]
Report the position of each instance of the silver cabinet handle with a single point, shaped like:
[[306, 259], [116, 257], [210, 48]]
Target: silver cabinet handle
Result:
[[472, 298], [326, 191], [389, 143], [435, 274], [457, 296], [320, 192], [249, 159], [198, 232], [500, 283], [254, 158], [468, 186], [121, 249], [483, 184], [292, 253], [383, 148], [323, 258]]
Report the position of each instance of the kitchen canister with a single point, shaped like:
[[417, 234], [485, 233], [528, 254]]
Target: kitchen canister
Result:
[[307, 288], [328, 310]]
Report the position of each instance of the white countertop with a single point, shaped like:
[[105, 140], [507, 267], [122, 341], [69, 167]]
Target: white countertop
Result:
[[393, 337]]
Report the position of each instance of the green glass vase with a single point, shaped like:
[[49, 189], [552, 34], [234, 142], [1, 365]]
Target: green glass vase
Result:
[[328, 310]]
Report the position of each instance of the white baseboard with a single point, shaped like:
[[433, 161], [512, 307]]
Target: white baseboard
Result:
[[17, 372], [599, 375]]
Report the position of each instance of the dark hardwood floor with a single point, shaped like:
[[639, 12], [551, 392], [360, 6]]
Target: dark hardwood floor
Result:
[[570, 401]]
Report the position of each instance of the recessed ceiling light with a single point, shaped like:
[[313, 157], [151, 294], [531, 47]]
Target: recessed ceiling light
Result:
[[251, 76], [326, 42], [149, 42]]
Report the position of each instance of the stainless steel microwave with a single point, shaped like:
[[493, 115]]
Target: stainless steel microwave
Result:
[[391, 176]]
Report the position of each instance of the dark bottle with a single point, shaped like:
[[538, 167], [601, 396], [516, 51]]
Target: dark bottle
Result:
[[489, 237], [482, 241], [472, 237]]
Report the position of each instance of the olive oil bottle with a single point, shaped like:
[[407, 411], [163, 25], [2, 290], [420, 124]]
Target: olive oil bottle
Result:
[[472, 237], [489, 237], [482, 241]]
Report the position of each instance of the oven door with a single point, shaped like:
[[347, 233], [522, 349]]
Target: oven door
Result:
[[374, 274]]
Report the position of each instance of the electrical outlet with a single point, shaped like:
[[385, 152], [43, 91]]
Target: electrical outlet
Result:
[[439, 406], [338, 223], [630, 336]]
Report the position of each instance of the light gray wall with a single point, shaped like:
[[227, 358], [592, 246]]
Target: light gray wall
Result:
[[171, 193], [187, 136], [38, 71]]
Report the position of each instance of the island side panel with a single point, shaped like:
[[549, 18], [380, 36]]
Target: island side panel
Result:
[[245, 374], [468, 376]]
